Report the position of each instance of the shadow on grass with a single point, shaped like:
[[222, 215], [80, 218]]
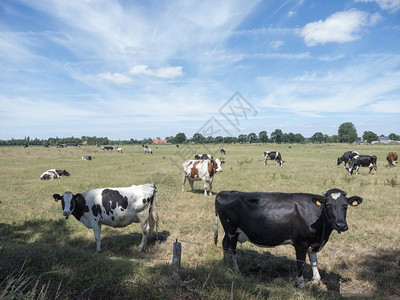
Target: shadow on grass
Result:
[[383, 269], [43, 257]]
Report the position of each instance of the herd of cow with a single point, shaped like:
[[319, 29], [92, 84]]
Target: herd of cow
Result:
[[265, 219]]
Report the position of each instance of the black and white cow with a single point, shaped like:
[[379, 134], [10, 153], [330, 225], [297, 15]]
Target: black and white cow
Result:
[[108, 148], [271, 219], [147, 150], [116, 207], [119, 149], [363, 161], [273, 155], [87, 157], [203, 156], [54, 174], [346, 157], [222, 151]]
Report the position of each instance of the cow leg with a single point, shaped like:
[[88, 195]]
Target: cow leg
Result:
[[300, 261], [358, 167], [210, 185], [144, 241], [96, 231], [205, 187], [191, 184], [232, 246], [313, 259], [183, 183], [265, 161]]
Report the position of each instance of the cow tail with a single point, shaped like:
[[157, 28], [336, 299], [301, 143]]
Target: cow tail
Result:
[[216, 227]]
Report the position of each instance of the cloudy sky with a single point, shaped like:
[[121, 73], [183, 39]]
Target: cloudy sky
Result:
[[138, 69]]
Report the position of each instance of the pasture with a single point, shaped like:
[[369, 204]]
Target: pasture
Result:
[[42, 255]]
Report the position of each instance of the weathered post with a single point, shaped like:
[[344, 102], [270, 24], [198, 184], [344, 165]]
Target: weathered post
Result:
[[176, 261]]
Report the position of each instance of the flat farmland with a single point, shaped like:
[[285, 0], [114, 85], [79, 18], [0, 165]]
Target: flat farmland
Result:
[[43, 255]]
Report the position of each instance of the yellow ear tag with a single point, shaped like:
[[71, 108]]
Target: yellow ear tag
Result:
[[318, 203], [355, 203]]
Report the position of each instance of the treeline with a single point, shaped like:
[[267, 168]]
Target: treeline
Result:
[[347, 133]]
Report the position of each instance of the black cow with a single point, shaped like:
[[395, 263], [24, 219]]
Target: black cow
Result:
[[203, 156], [346, 157], [222, 151], [273, 155], [363, 161], [107, 148], [271, 219]]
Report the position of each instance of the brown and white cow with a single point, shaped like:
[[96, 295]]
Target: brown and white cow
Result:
[[115, 207], [391, 158], [204, 170]]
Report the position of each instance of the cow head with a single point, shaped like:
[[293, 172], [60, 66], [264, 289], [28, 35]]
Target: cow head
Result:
[[335, 203], [216, 165], [67, 202], [65, 173], [339, 161]]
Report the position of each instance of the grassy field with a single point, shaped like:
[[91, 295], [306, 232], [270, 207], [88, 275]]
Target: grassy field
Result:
[[42, 255]]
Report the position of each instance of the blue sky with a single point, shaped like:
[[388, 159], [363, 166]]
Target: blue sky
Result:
[[139, 69]]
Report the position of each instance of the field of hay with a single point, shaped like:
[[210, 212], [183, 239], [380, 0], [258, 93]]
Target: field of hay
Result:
[[42, 255]]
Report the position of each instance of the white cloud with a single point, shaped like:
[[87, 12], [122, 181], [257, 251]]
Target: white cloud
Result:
[[116, 78], [164, 72], [340, 27], [390, 5], [276, 44]]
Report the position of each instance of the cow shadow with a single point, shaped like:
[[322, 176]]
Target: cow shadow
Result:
[[268, 268], [383, 269], [47, 254]]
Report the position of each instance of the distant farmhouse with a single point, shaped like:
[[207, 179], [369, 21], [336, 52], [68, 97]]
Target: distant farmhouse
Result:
[[382, 140], [159, 142]]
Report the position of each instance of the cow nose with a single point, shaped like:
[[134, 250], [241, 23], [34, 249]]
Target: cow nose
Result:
[[342, 226], [66, 214]]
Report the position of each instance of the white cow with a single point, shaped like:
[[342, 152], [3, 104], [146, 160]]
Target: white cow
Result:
[[147, 150], [204, 170], [54, 174], [116, 207], [119, 149]]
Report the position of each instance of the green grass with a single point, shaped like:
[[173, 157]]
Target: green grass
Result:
[[44, 256]]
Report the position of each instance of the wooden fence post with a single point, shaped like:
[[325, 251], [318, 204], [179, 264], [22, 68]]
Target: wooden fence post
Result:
[[177, 273]]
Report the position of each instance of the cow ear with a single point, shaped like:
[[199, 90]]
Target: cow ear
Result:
[[354, 201], [57, 197], [318, 200]]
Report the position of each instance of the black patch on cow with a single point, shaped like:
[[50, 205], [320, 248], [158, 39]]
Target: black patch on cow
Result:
[[112, 198], [96, 209], [80, 207], [112, 218]]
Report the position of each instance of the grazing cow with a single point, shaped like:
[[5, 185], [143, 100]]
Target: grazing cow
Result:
[[304, 221], [391, 158], [46, 146], [87, 157], [177, 146], [346, 158], [115, 207], [108, 148], [203, 156], [119, 149], [204, 170], [54, 174], [25, 146], [273, 155], [362, 161], [222, 151], [147, 150]]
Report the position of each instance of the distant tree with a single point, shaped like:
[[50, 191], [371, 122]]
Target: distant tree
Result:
[[180, 138], [276, 136], [242, 139], [198, 138], [370, 136], [263, 136], [219, 139], [209, 140], [298, 138], [252, 137], [394, 137], [228, 140], [347, 133], [317, 137]]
